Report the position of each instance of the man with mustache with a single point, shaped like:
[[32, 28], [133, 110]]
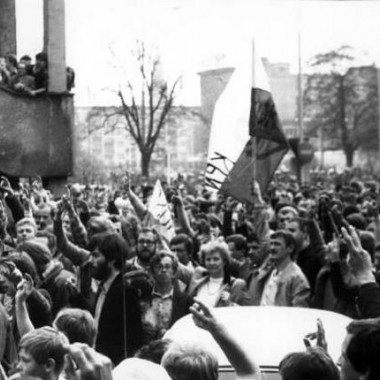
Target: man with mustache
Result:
[[280, 281]]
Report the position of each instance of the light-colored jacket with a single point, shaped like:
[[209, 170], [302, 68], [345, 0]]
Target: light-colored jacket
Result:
[[293, 288], [237, 289]]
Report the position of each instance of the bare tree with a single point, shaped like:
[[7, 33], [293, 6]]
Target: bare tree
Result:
[[145, 108]]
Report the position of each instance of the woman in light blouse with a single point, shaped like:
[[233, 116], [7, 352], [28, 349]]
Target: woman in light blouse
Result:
[[213, 284]]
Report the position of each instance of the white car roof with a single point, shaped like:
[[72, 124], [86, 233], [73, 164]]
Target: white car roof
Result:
[[268, 333]]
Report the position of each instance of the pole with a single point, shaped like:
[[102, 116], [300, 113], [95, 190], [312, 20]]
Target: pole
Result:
[[322, 148], [378, 102], [254, 142], [125, 334], [300, 90], [167, 150], [300, 102]]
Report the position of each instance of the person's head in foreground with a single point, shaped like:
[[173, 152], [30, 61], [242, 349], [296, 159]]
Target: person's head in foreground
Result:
[[154, 350], [41, 353], [139, 369], [360, 359], [77, 324], [185, 361], [312, 364]]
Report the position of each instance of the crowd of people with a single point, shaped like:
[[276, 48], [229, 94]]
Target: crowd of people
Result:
[[28, 77], [87, 281]]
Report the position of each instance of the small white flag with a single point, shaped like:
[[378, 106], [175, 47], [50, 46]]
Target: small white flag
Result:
[[159, 214]]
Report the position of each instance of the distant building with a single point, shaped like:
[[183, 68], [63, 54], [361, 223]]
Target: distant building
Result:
[[183, 143], [284, 90], [112, 145]]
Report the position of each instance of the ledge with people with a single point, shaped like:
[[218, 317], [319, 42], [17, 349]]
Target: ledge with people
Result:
[[26, 77]]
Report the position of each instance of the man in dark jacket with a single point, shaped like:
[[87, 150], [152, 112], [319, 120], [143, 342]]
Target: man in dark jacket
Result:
[[117, 310], [310, 249]]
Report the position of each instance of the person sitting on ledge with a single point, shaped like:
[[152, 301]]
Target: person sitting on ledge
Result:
[[40, 72], [9, 71]]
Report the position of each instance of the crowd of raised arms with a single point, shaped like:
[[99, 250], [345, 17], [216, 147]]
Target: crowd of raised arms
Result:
[[89, 285], [27, 77]]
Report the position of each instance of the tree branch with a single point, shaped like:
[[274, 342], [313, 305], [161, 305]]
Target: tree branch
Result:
[[166, 109], [128, 114]]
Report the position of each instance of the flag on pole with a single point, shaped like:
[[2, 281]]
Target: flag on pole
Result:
[[246, 139], [159, 215]]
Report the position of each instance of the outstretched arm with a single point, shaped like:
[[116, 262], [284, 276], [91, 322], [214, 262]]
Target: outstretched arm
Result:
[[76, 254], [136, 202], [24, 289], [182, 215], [237, 356]]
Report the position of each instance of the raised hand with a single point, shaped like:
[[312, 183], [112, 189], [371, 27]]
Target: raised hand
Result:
[[67, 203], [37, 184], [203, 316], [125, 183], [319, 337], [230, 204], [333, 249], [24, 288], [176, 200], [3, 214], [5, 186], [359, 260], [256, 192], [89, 364], [58, 211]]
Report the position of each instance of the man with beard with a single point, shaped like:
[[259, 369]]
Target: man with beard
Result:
[[310, 248], [146, 248], [117, 310]]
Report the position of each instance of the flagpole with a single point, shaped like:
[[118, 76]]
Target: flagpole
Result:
[[254, 142], [302, 169]]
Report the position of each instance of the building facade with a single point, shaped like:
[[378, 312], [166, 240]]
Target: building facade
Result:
[[183, 143]]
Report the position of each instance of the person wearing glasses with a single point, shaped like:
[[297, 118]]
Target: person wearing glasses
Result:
[[168, 301], [147, 242], [147, 246]]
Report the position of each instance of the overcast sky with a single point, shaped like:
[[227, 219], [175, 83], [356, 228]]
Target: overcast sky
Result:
[[194, 35]]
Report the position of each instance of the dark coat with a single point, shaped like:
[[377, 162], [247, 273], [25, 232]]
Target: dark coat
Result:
[[311, 260], [181, 305], [110, 339], [368, 299]]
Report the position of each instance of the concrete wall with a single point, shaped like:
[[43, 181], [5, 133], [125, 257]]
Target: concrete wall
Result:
[[36, 134], [7, 27]]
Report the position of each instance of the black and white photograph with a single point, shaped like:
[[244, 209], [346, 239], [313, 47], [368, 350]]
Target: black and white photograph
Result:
[[189, 190]]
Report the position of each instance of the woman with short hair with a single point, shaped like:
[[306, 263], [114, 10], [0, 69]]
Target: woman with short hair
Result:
[[215, 286]]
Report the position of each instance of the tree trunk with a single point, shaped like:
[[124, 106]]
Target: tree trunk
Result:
[[145, 163], [347, 138], [349, 157]]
